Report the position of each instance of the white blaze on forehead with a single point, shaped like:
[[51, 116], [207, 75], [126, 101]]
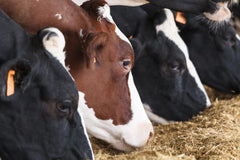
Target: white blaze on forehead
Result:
[[222, 14], [118, 135], [170, 30], [104, 12]]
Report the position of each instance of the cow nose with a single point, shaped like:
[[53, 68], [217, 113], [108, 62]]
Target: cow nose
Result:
[[139, 135]]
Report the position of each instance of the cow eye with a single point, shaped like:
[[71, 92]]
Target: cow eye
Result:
[[126, 64], [176, 67], [64, 107]]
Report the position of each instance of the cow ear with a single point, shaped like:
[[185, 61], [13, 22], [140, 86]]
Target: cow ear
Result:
[[54, 42], [95, 43], [16, 77]]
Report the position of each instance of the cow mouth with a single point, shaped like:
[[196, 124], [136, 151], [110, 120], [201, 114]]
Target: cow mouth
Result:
[[126, 147]]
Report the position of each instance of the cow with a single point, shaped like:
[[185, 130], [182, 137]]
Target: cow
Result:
[[38, 98], [213, 11], [100, 58], [165, 77], [216, 55]]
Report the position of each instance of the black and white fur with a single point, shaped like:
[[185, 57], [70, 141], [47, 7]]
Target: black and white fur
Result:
[[40, 120], [163, 73], [216, 55]]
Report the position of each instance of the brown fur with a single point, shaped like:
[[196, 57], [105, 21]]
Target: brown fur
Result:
[[104, 82]]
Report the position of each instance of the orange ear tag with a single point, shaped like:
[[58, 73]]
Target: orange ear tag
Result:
[[10, 83], [131, 37], [180, 18]]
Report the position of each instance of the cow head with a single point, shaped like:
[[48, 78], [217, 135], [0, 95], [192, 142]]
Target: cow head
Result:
[[213, 11], [38, 98], [112, 104], [216, 55], [164, 75]]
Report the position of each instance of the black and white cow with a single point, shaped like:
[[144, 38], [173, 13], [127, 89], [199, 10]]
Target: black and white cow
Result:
[[38, 98], [216, 54], [215, 11], [165, 77]]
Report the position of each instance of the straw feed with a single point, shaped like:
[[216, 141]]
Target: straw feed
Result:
[[213, 134]]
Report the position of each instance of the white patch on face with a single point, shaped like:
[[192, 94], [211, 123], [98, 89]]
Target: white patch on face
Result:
[[222, 14], [238, 37], [119, 136], [170, 30], [235, 1], [155, 118], [59, 16], [104, 12]]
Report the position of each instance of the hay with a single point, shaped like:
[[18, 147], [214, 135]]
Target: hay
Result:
[[213, 134]]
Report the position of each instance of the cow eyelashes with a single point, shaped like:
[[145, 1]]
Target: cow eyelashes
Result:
[[126, 64], [64, 107], [176, 67]]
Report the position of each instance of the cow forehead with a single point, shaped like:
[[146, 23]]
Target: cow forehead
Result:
[[104, 12], [170, 30]]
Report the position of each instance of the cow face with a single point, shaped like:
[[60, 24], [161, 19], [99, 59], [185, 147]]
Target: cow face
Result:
[[39, 101], [112, 104], [165, 77], [215, 55]]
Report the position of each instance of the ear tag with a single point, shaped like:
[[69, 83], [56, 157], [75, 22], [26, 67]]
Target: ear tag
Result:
[[10, 83], [180, 18], [131, 37], [94, 60]]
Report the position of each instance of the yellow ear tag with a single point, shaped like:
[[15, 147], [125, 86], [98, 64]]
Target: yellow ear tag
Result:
[[10, 83], [180, 18]]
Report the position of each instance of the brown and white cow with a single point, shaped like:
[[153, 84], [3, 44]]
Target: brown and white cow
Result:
[[100, 58]]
